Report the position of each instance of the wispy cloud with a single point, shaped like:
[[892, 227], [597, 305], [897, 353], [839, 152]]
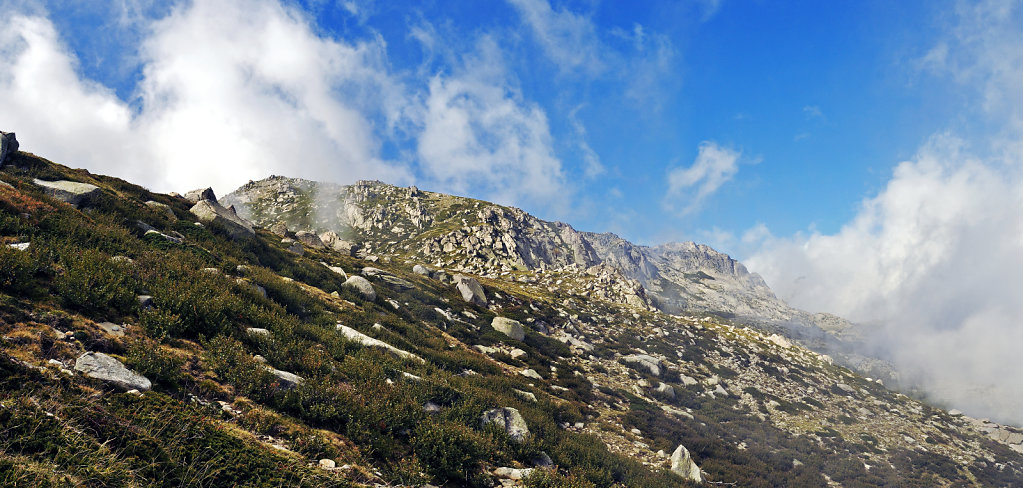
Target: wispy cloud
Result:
[[714, 166], [569, 39], [813, 112]]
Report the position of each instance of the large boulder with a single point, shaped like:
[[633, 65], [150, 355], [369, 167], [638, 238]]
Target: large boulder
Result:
[[507, 419], [509, 327], [209, 211], [363, 286], [102, 367], [8, 146], [73, 192], [683, 465], [163, 208], [471, 290], [419, 269], [309, 239], [644, 361]]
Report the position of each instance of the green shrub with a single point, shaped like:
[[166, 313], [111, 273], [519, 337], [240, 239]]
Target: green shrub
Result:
[[546, 478], [154, 362], [92, 282], [17, 271], [449, 451]]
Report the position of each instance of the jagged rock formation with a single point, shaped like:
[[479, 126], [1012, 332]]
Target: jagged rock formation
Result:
[[208, 210]]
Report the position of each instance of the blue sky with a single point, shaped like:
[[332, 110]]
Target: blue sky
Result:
[[818, 100], [865, 157]]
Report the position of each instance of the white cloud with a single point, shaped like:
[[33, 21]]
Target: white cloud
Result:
[[479, 134], [813, 112], [568, 39], [592, 167], [714, 166], [230, 91], [936, 258]]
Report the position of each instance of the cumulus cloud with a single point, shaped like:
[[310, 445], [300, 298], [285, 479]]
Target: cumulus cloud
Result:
[[231, 91], [935, 259], [478, 133], [714, 166]]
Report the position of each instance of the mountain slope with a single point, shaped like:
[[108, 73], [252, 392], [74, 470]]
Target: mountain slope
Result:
[[275, 360]]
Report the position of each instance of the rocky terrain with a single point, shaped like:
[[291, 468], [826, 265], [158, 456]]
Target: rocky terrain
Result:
[[495, 241], [301, 334]]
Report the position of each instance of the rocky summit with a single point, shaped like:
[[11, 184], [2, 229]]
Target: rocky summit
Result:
[[294, 333]]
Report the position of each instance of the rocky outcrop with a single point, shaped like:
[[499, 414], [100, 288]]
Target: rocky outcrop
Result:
[[209, 211], [683, 465], [8, 146], [73, 192], [363, 286], [471, 290], [508, 420], [509, 327], [195, 196], [102, 367]]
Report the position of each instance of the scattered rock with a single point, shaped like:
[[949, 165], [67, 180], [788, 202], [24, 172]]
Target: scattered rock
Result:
[[542, 460], [8, 146], [116, 330], [145, 302], [419, 269], [509, 327], [683, 465], [356, 336], [257, 332], [327, 464], [645, 361], [430, 407], [102, 367], [162, 207], [334, 242], [338, 270], [363, 286], [526, 395], [73, 192], [161, 235], [471, 290], [512, 473], [507, 419], [20, 246], [666, 390], [531, 373], [286, 380], [254, 287], [279, 228], [293, 246], [121, 260]]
